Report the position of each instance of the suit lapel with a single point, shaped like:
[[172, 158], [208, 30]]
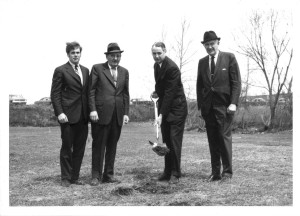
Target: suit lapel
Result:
[[218, 63], [84, 75], [206, 66], [160, 73], [107, 73], [121, 77], [71, 71]]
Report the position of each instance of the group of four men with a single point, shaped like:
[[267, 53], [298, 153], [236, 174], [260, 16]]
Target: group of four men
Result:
[[102, 97]]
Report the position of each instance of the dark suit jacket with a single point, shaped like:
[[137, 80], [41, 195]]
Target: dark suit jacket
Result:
[[104, 96], [68, 95], [224, 89], [169, 89]]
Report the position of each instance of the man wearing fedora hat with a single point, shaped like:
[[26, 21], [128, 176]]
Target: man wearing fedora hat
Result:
[[109, 108], [218, 91]]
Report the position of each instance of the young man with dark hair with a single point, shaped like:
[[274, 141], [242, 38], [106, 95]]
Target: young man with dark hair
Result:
[[70, 102]]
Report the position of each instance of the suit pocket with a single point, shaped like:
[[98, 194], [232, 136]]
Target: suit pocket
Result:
[[99, 107], [66, 110], [178, 101]]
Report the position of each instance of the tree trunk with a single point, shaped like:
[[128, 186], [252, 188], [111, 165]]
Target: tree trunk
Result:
[[272, 118]]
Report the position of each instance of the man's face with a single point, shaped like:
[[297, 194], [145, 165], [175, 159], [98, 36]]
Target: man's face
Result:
[[158, 54], [113, 59], [212, 47], [74, 55]]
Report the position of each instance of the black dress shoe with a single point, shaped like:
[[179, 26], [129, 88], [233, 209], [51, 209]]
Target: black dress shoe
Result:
[[95, 182], [77, 182], [212, 178], [173, 180], [110, 180], [164, 177], [65, 183]]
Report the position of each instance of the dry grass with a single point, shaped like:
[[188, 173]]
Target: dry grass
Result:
[[262, 172]]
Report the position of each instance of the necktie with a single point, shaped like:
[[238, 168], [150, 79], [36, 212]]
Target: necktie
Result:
[[212, 66], [114, 74], [76, 70]]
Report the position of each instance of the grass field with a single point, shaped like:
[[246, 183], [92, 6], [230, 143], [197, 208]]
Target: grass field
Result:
[[262, 163]]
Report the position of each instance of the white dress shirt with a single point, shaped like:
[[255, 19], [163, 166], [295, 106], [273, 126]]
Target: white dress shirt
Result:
[[116, 72], [116, 69]]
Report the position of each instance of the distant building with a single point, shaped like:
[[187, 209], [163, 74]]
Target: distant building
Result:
[[140, 101], [17, 99], [44, 100], [264, 99]]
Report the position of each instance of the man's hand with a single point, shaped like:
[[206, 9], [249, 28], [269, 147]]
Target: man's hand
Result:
[[94, 116], [62, 118], [200, 114], [125, 119], [231, 109], [158, 120], [154, 95]]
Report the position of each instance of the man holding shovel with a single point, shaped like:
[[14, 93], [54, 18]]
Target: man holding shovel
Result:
[[172, 110]]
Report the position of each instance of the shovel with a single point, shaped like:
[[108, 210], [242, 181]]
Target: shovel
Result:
[[159, 149]]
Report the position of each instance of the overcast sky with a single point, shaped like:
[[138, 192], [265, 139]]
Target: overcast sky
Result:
[[34, 35]]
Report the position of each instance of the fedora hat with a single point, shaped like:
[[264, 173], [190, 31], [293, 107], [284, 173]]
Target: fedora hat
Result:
[[209, 36], [113, 48]]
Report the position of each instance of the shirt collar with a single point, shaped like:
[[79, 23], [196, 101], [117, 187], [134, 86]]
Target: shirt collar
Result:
[[216, 56], [111, 67], [73, 65]]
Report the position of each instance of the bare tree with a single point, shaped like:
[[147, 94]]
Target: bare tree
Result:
[[183, 53], [289, 102], [245, 89], [163, 35], [182, 46], [274, 61]]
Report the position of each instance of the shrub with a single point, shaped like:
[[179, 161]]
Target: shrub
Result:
[[246, 117], [32, 115], [141, 112], [252, 116]]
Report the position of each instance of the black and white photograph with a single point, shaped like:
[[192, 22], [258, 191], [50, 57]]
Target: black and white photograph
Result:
[[149, 107]]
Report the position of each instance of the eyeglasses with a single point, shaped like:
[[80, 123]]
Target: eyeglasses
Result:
[[211, 43]]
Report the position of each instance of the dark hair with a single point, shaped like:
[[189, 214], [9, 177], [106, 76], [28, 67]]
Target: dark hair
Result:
[[159, 44], [72, 45]]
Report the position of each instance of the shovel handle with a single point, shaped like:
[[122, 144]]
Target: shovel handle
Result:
[[156, 115], [157, 137], [155, 99]]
